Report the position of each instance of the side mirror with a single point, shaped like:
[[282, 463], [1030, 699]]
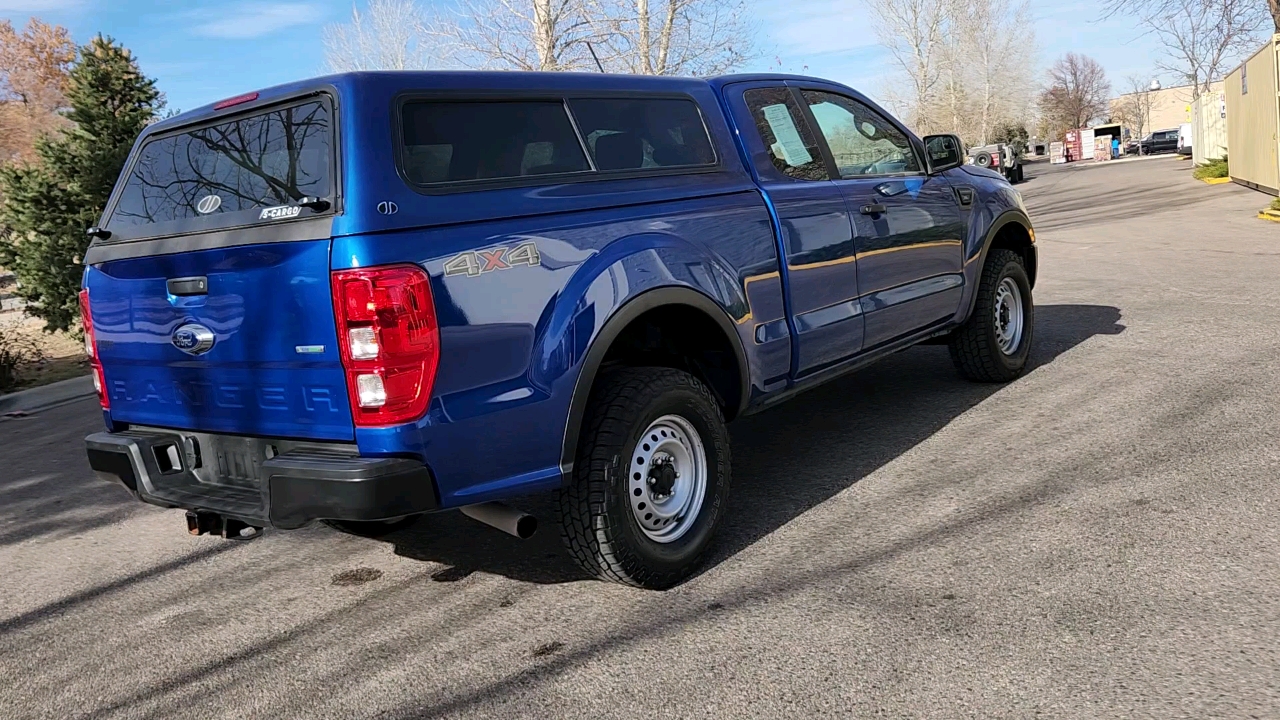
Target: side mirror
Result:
[[943, 152]]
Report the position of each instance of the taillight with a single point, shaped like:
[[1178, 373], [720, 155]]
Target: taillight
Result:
[[91, 349], [389, 341]]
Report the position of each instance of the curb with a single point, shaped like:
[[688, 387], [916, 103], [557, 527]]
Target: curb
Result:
[[1272, 215], [48, 396], [1215, 181], [1116, 161]]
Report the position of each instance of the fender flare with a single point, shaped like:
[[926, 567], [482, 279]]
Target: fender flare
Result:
[[1012, 215], [617, 322]]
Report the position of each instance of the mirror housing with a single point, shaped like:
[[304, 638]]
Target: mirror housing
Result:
[[943, 152]]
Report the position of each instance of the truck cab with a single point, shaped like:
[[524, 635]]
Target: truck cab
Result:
[[371, 296]]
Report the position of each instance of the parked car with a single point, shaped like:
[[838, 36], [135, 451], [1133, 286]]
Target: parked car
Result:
[[1004, 159], [369, 296], [1184, 139], [1160, 141]]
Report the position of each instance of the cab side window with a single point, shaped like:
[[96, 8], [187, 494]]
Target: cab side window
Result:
[[862, 141], [789, 142]]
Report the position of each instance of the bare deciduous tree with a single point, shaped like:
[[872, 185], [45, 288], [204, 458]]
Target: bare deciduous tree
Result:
[[389, 35], [913, 32], [969, 63], [672, 37], [1202, 39], [1133, 109], [998, 39], [1077, 93], [651, 37], [516, 34]]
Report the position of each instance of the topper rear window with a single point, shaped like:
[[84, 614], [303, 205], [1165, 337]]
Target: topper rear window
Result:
[[253, 168], [458, 142]]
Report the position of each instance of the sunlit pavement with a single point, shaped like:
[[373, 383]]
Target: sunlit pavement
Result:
[[1097, 539]]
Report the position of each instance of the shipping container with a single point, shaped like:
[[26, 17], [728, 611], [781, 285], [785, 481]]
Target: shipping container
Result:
[[1254, 112]]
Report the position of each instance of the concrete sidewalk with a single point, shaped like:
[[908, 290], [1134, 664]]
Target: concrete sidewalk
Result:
[[47, 396]]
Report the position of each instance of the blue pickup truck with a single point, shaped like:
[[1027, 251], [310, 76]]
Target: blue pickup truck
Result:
[[370, 296]]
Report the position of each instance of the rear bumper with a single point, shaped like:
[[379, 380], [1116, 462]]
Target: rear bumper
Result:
[[263, 482]]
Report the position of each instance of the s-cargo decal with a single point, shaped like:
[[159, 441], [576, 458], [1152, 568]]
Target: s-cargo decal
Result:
[[280, 212]]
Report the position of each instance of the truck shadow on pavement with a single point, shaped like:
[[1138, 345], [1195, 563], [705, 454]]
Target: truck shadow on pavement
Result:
[[785, 460], [47, 489]]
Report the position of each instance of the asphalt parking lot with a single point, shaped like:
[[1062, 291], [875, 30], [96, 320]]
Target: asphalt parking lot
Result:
[[1096, 540]]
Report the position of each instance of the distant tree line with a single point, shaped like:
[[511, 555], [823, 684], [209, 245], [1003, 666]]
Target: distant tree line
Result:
[[962, 66], [647, 37]]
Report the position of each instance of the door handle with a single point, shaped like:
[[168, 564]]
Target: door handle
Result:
[[874, 209], [188, 286]]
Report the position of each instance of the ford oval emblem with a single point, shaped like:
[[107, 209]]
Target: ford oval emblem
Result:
[[193, 339]]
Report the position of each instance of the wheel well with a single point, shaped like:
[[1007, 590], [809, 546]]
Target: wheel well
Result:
[[684, 338], [1015, 236]]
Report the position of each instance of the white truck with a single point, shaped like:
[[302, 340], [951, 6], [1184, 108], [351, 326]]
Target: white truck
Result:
[[1004, 159]]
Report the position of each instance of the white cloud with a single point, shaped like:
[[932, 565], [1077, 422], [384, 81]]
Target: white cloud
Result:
[[247, 21]]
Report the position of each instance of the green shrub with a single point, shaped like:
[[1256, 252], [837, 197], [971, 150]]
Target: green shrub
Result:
[[1275, 204], [47, 205], [1211, 169]]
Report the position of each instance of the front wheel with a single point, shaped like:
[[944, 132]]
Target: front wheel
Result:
[[993, 344], [651, 478]]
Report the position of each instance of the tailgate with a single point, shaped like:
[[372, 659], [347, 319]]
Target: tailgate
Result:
[[273, 367]]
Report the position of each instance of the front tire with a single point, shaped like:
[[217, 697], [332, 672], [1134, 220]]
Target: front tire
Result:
[[993, 344], [650, 481]]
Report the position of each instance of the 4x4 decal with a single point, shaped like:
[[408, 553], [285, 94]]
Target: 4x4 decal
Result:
[[500, 258]]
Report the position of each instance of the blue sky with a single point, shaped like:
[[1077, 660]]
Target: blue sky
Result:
[[201, 51]]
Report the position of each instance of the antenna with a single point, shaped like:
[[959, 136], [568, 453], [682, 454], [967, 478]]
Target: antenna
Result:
[[593, 57]]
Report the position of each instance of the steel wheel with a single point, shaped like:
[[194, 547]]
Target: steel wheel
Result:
[[1009, 316], [668, 479]]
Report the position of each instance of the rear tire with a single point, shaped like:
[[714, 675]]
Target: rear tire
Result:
[[650, 481], [993, 344], [982, 159]]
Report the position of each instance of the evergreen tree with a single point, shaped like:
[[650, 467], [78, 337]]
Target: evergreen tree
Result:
[[46, 206]]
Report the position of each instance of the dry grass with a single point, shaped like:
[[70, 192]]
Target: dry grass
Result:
[[44, 357]]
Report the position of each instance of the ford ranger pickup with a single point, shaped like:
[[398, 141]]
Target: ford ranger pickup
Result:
[[371, 296]]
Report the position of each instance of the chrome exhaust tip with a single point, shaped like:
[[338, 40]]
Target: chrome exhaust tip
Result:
[[503, 517]]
